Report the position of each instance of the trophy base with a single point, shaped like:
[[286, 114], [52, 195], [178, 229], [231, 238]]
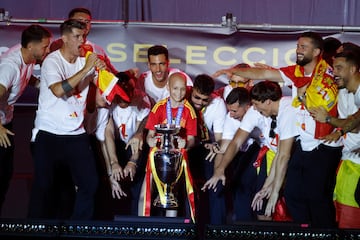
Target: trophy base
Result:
[[171, 202]]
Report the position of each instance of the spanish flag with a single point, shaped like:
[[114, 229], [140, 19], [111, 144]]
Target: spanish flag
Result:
[[106, 82], [321, 91]]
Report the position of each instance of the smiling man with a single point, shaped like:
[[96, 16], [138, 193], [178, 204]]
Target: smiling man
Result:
[[310, 79], [154, 81], [275, 117]]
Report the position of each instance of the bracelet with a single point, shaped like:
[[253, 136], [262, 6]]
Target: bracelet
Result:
[[301, 98], [66, 86], [112, 163], [133, 162]]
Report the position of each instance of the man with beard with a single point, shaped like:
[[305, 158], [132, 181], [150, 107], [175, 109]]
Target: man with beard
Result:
[[241, 172], [16, 68], [211, 112], [311, 171], [347, 189]]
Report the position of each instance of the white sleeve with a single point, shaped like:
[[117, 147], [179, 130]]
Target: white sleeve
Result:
[[102, 120], [250, 120], [231, 125], [220, 115]]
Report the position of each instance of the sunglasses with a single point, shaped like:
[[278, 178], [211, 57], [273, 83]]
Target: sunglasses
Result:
[[236, 84], [199, 98], [272, 127]]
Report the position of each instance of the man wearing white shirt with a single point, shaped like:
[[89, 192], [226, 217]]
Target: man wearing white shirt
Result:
[[311, 172], [16, 68], [211, 112], [275, 117], [347, 188], [154, 81], [59, 135], [124, 158], [242, 172]]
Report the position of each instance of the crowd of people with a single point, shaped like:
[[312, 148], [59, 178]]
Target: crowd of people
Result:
[[248, 152]]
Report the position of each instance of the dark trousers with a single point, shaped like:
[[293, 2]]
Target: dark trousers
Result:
[[6, 166], [211, 205], [133, 188], [74, 152], [244, 183], [310, 184]]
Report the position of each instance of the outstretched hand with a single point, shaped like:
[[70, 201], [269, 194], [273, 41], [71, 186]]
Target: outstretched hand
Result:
[[213, 181], [130, 170], [117, 171], [4, 139], [116, 189], [136, 144], [214, 149]]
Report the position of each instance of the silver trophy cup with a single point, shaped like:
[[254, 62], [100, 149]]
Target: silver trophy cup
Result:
[[167, 162]]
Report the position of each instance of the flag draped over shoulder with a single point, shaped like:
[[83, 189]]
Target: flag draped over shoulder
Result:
[[106, 82], [321, 91]]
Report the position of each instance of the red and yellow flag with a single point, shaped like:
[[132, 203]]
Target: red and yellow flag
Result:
[[106, 82]]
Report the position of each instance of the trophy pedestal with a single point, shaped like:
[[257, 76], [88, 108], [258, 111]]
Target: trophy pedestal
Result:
[[171, 202]]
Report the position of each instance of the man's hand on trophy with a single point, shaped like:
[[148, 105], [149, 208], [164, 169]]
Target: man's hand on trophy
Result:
[[181, 143], [155, 141], [116, 190], [213, 181], [117, 171]]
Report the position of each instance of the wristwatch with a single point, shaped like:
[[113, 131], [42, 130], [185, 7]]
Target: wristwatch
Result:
[[328, 119]]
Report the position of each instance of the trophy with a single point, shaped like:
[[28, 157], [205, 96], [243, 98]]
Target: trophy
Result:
[[167, 162]]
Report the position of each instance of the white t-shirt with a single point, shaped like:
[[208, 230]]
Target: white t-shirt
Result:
[[214, 116], [285, 123], [125, 119], [155, 93], [14, 76], [65, 115], [231, 125], [305, 123], [357, 97], [227, 90], [346, 107]]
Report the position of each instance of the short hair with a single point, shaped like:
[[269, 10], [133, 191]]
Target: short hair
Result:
[[123, 82], [351, 47], [68, 25], [240, 95], [79, 10], [265, 90], [316, 39], [331, 44], [242, 65], [34, 33], [157, 50], [204, 84], [350, 57]]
